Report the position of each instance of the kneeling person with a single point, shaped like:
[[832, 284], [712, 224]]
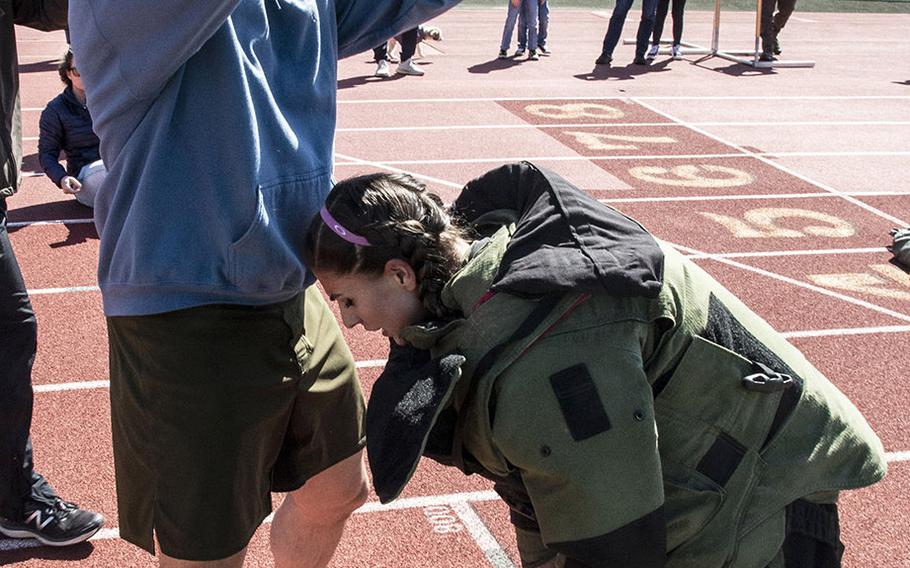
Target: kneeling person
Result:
[[629, 409]]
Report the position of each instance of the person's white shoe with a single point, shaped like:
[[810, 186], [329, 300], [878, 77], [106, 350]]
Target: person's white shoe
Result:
[[383, 69], [409, 68], [676, 51], [652, 53]]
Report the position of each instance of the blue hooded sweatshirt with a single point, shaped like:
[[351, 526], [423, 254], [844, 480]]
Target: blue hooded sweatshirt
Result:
[[216, 121]]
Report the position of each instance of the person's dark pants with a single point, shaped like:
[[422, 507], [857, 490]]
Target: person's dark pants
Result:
[[771, 23], [645, 26], [18, 344], [663, 7], [408, 41]]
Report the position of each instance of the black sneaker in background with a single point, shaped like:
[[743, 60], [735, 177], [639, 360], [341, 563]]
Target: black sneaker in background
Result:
[[640, 60], [54, 522], [775, 48], [604, 59]]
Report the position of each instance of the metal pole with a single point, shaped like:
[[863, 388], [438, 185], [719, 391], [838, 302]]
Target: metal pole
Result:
[[715, 35], [758, 8]]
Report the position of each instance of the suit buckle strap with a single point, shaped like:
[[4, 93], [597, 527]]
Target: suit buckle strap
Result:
[[766, 380]]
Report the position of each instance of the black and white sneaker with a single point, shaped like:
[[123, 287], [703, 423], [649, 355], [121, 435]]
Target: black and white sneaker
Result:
[[55, 523]]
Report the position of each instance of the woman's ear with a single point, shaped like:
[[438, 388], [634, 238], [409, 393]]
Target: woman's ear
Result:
[[402, 273]]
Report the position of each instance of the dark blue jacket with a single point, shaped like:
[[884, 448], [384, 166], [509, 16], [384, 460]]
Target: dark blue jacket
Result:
[[66, 125]]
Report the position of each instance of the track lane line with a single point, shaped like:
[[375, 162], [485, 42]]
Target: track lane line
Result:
[[793, 281], [485, 540]]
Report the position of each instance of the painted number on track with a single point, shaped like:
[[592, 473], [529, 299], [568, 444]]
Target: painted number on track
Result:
[[595, 141], [574, 111], [442, 519], [692, 175], [762, 223], [889, 282]]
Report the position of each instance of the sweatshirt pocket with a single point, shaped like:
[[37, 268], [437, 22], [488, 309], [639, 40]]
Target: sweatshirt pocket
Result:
[[267, 257]]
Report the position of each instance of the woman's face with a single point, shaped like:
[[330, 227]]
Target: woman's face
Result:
[[387, 302]]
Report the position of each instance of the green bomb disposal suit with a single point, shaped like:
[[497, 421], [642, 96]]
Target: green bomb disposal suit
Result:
[[630, 410]]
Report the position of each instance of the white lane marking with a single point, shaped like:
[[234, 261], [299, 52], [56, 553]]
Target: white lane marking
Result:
[[793, 281], [603, 98], [847, 331], [72, 386], [603, 125], [70, 289], [372, 507], [762, 156], [777, 253], [452, 500], [49, 222], [387, 167], [833, 191], [520, 126], [728, 197], [494, 552]]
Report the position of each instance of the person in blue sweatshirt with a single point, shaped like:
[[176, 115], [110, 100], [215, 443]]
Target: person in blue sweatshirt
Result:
[[229, 375]]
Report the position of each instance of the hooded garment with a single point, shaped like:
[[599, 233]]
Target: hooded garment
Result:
[[630, 410]]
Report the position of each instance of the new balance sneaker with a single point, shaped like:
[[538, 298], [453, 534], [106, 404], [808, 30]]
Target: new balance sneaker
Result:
[[503, 54], [532, 55], [409, 67], [544, 50], [676, 51], [383, 69], [603, 59], [652, 53], [54, 523], [519, 52]]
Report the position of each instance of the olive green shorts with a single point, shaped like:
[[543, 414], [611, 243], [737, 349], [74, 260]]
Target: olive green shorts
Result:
[[215, 407]]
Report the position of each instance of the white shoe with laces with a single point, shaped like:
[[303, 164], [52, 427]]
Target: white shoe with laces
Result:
[[652, 53], [676, 52], [383, 69], [409, 67]]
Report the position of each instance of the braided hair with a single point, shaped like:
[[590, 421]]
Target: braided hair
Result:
[[401, 220]]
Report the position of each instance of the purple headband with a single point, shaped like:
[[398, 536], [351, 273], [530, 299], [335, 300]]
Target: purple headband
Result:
[[339, 229]]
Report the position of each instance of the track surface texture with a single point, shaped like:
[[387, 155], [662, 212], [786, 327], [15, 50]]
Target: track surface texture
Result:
[[782, 183]]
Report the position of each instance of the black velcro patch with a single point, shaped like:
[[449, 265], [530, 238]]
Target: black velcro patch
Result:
[[722, 459], [580, 403]]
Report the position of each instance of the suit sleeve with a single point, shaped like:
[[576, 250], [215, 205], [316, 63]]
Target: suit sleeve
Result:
[[584, 439], [364, 24]]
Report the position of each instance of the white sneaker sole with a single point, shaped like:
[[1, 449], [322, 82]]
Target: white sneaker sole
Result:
[[11, 533]]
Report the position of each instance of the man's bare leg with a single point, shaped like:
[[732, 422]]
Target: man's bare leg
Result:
[[235, 561], [308, 524]]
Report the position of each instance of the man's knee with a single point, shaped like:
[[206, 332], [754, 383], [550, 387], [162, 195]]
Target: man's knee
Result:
[[334, 494]]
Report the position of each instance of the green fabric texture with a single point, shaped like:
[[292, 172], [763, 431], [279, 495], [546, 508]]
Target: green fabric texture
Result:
[[649, 455]]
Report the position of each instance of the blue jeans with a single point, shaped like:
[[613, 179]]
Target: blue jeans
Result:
[[528, 9], [614, 31], [543, 23]]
